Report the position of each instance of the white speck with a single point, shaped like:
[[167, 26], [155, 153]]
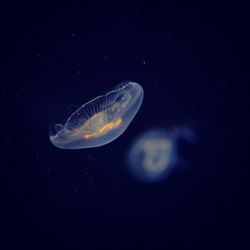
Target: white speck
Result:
[[144, 62]]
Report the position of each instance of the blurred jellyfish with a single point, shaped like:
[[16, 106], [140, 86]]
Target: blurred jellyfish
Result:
[[154, 154], [101, 120]]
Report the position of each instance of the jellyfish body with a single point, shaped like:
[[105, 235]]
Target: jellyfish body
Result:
[[154, 154], [101, 120]]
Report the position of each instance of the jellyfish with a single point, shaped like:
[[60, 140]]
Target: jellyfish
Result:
[[154, 154], [101, 120]]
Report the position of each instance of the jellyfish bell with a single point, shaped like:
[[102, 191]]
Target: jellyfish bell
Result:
[[101, 120], [153, 155]]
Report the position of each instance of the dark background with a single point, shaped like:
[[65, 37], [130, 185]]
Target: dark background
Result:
[[185, 58]]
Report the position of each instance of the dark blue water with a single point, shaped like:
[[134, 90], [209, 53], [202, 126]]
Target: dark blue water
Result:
[[66, 54]]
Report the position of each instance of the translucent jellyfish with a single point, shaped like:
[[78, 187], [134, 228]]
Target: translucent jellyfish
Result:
[[101, 120], [154, 154]]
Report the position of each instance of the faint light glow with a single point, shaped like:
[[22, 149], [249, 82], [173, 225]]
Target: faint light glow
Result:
[[154, 154]]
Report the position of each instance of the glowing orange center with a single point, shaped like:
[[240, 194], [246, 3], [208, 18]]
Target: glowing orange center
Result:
[[103, 130]]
